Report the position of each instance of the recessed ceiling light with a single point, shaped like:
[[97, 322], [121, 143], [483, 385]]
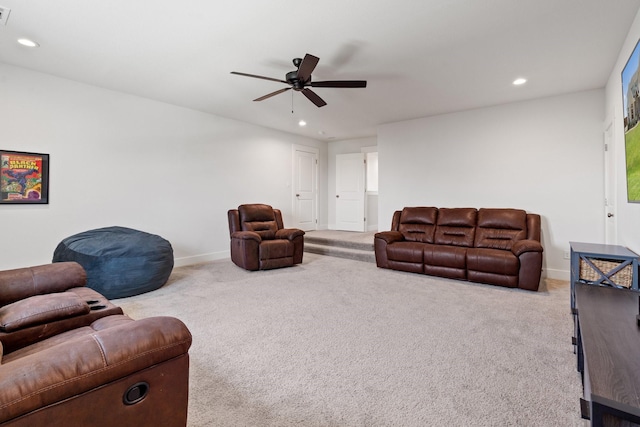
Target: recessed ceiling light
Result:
[[28, 43], [519, 81], [302, 123]]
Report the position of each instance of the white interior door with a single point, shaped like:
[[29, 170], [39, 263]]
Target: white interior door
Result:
[[305, 188], [611, 223], [350, 192]]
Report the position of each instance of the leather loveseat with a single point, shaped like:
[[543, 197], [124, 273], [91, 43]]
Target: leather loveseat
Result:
[[68, 357], [494, 246]]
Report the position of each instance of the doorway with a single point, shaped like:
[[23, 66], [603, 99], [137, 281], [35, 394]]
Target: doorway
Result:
[[350, 192], [305, 187]]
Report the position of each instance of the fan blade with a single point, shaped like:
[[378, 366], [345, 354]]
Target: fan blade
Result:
[[262, 98], [313, 97], [340, 83], [306, 67], [259, 77]]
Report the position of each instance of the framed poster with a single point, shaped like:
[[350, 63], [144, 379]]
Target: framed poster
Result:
[[24, 178], [631, 109]]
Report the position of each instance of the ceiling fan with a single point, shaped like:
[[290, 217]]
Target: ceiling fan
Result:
[[300, 80]]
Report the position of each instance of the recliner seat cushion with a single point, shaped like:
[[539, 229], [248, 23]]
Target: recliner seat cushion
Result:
[[411, 252], [496, 261], [445, 256], [275, 249]]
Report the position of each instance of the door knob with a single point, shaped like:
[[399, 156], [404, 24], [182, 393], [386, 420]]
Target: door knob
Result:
[[337, 196], [609, 215], [297, 195]]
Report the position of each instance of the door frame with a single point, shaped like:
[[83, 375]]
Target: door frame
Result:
[[610, 181]]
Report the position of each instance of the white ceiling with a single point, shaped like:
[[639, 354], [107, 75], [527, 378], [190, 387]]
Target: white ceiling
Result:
[[420, 58]]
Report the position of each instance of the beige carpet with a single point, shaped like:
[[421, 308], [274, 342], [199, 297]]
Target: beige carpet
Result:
[[335, 342]]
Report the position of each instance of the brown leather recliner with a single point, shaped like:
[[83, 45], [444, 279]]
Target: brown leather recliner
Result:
[[63, 363], [259, 240], [39, 302]]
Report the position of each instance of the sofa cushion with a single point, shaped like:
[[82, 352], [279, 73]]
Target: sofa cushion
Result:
[[500, 228], [417, 224], [456, 226], [445, 256], [406, 251], [496, 261]]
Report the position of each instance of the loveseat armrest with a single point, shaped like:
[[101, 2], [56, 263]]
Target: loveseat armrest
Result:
[[246, 235], [26, 282], [522, 246], [289, 233], [82, 364], [389, 236]]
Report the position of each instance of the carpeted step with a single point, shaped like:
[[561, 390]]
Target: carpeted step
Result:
[[366, 255], [338, 243]]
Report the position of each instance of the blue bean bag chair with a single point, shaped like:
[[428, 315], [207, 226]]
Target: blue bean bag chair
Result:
[[120, 262]]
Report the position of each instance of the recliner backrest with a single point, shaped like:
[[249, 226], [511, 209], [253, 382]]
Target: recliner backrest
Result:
[[417, 224], [456, 226], [500, 228], [260, 219]]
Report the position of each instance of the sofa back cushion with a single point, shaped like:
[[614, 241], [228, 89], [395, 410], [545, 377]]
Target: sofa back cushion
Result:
[[456, 226], [418, 224], [500, 228], [258, 218]]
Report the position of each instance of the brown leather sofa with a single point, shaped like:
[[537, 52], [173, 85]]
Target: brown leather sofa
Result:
[[259, 240], [68, 357], [494, 246]]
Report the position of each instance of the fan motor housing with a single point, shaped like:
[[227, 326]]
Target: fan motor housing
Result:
[[292, 78]]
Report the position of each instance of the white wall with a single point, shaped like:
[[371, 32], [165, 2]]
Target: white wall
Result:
[[544, 156], [123, 160], [348, 146], [627, 214]]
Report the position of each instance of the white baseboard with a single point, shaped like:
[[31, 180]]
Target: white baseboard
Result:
[[557, 274], [197, 259]]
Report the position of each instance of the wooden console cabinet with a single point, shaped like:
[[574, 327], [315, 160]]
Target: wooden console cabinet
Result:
[[609, 354], [589, 254]]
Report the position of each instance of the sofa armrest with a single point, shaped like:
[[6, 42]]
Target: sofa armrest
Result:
[[246, 235], [76, 366], [380, 242], [389, 236], [289, 233], [26, 282], [522, 246]]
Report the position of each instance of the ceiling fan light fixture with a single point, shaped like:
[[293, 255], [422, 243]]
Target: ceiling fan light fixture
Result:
[[28, 42], [519, 81]]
